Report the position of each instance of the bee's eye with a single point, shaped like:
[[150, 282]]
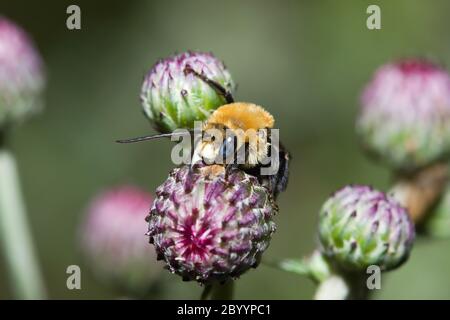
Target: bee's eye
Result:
[[228, 146], [209, 137]]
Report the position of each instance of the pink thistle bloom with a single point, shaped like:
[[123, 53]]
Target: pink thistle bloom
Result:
[[22, 77], [211, 228], [405, 113], [113, 239]]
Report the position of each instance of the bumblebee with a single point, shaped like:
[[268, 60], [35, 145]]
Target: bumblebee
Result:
[[238, 134]]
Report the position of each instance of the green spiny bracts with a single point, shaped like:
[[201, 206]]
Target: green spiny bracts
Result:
[[360, 226], [211, 228], [174, 98]]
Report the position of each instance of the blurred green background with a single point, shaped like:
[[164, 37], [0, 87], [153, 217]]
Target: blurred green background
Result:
[[305, 61]]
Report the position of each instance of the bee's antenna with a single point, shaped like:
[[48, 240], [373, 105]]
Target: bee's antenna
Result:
[[155, 136], [214, 84]]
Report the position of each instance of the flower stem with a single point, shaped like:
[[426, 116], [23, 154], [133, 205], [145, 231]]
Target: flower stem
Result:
[[218, 291], [333, 288], [342, 287], [206, 292], [15, 235], [332, 283], [420, 190]]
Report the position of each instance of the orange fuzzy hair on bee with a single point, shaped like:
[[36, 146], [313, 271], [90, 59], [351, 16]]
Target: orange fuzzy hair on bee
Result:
[[241, 115]]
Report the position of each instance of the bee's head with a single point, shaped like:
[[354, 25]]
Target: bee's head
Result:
[[233, 146]]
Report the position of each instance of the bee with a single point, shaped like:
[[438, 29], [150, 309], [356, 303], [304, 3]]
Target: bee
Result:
[[238, 134]]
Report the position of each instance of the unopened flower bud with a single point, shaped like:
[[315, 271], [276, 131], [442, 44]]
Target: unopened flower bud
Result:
[[360, 226], [173, 97]]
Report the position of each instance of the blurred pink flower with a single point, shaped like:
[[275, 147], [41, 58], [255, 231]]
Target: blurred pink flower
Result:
[[113, 239], [411, 90], [405, 114], [22, 77]]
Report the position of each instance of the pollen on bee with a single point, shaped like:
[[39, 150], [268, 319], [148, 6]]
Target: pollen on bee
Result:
[[241, 115], [213, 170]]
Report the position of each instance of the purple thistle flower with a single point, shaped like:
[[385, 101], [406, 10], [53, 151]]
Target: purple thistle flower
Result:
[[21, 74], [211, 228], [405, 114], [113, 239]]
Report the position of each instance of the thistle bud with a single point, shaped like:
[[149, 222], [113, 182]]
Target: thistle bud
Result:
[[174, 98], [211, 228], [405, 115], [113, 240], [359, 227], [21, 74]]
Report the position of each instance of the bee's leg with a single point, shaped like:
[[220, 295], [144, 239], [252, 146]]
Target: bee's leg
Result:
[[228, 169], [214, 84], [278, 181], [282, 176]]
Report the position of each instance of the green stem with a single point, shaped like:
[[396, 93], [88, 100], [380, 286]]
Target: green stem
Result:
[[15, 235], [218, 291], [342, 287], [206, 292], [333, 288], [333, 284]]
